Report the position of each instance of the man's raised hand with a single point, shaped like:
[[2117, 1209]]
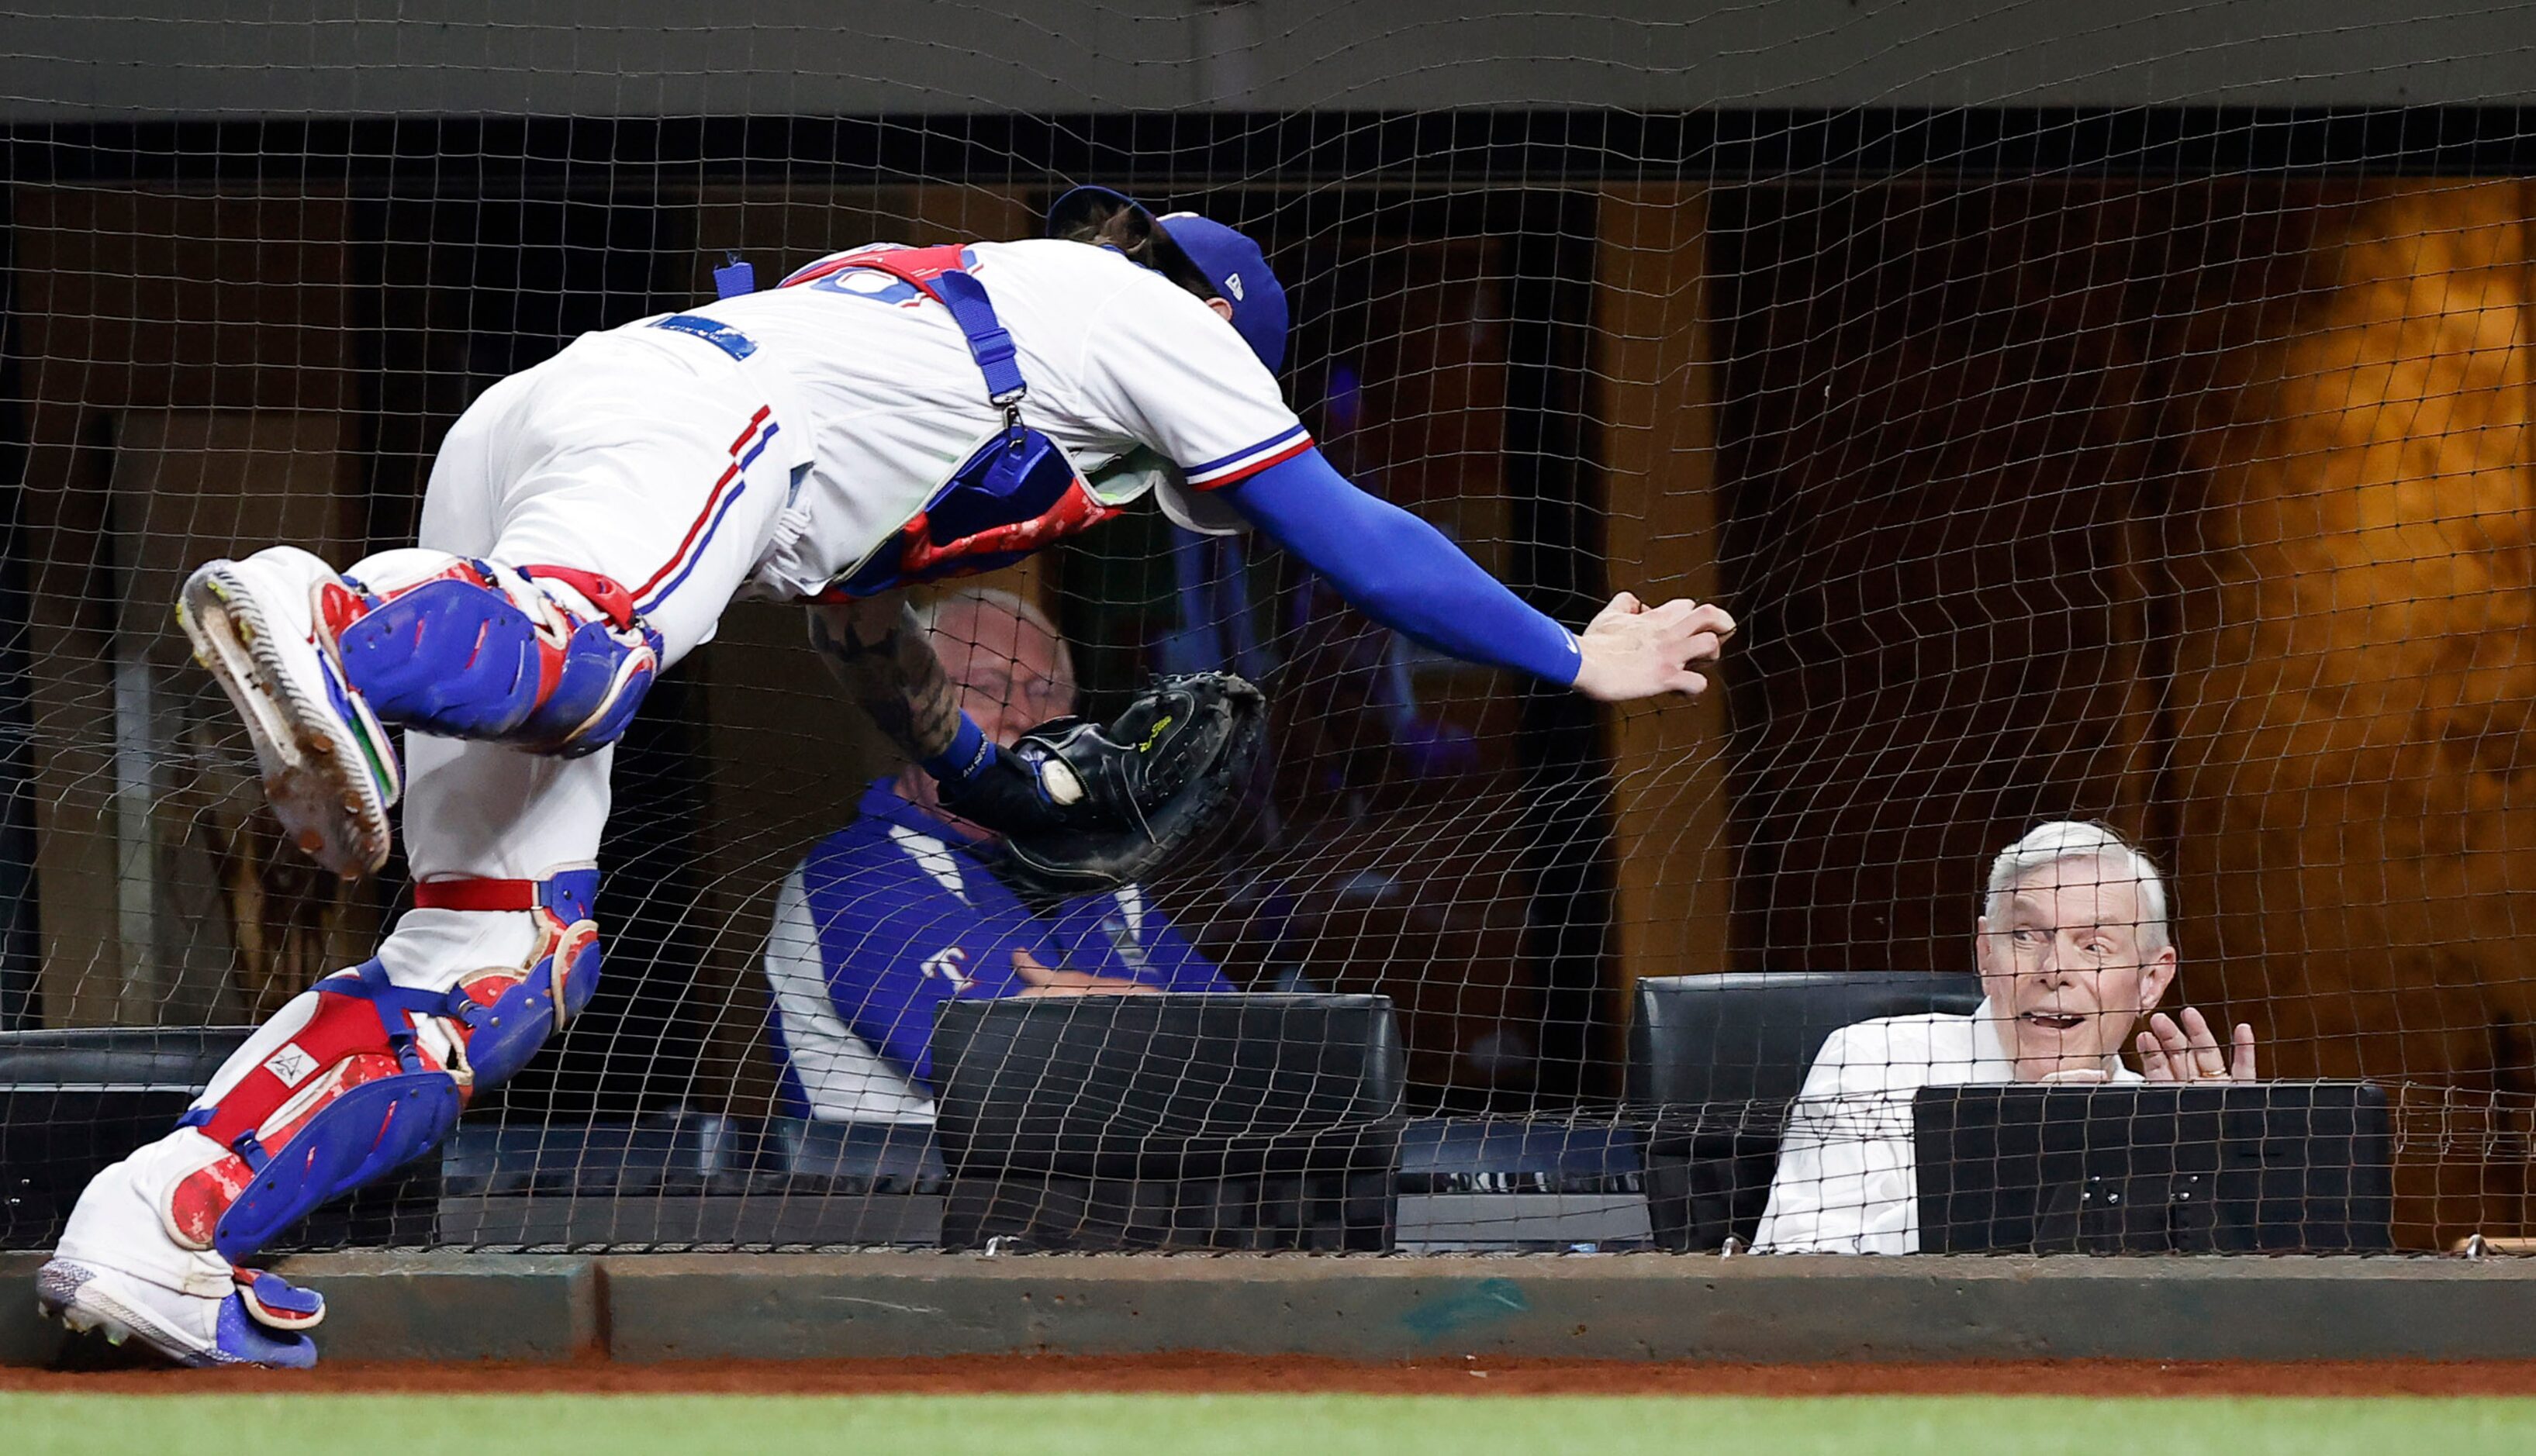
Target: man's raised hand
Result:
[[2188, 1050], [1635, 651]]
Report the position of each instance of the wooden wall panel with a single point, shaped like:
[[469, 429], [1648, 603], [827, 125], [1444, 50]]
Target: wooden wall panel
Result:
[[185, 357], [2355, 760], [236, 923], [1932, 462], [1653, 403]]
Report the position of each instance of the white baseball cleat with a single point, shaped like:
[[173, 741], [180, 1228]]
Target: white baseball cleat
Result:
[[189, 1329], [330, 770]]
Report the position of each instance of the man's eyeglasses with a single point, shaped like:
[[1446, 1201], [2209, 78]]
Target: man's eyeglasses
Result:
[[1045, 696]]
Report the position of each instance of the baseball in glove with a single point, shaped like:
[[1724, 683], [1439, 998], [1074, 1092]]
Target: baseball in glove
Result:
[[1087, 807]]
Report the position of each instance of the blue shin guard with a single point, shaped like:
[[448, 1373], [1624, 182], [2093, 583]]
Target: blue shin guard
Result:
[[509, 1016], [277, 1304], [510, 1031], [360, 1088], [354, 1138], [246, 1340]]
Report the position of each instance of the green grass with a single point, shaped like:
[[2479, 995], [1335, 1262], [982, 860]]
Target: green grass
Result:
[[320, 1424]]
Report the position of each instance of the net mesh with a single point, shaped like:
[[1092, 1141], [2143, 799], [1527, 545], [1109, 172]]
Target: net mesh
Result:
[[2143, 464]]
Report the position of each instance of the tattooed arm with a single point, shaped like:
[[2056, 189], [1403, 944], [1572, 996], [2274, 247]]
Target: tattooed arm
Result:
[[875, 649], [879, 652]]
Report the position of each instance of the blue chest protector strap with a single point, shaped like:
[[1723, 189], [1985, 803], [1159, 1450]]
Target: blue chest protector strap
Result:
[[943, 275], [991, 344], [1009, 498]]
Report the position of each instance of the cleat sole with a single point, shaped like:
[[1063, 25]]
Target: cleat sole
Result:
[[81, 1301], [330, 804], [87, 1309]]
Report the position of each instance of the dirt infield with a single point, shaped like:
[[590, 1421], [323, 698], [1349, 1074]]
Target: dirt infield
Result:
[[1193, 1373]]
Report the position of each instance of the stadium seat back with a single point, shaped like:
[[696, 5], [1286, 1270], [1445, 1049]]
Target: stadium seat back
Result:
[[73, 1101], [1714, 1061], [1178, 1120]]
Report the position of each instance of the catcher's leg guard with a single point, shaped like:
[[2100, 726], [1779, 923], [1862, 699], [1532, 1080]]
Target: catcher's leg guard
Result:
[[379, 1072], [277, 1304], [475, 650], [317, 662], [506, 1015]]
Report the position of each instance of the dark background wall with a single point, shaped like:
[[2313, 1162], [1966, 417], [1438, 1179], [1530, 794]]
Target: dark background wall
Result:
[[808, 58]]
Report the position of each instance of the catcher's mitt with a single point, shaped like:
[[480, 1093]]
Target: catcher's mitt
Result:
[[1119, 802]]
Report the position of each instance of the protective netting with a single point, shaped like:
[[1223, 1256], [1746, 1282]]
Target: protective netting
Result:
[[2129, 462]]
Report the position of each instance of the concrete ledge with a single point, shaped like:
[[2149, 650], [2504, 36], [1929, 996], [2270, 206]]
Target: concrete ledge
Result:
[[453, 1306], [394, 1307], [1634, 1306], [24, 1340]]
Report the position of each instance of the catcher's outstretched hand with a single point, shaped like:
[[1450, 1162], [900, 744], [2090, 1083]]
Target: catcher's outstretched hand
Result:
[[1635, 651]]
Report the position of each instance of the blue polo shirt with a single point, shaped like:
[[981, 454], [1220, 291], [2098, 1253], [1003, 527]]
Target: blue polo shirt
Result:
[[895, 914]]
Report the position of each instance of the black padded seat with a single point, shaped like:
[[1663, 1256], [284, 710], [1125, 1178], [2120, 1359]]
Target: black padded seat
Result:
[[73, 1101], [1170, 1122], [1714, 1061]]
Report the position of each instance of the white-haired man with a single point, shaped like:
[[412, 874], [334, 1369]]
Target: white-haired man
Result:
[[902, 911], [2074, 949]]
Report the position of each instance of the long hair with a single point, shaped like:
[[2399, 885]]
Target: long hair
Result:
[[1134, 234]]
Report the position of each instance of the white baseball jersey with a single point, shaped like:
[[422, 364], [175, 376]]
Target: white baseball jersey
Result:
[[1116, 358], [1848, 1180], [675, 466]]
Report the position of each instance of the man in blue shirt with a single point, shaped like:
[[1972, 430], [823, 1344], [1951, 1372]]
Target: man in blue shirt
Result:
[[901, 910]]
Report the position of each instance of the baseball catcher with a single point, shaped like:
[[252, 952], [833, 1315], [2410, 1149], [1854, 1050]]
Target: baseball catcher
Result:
[[885, 416]]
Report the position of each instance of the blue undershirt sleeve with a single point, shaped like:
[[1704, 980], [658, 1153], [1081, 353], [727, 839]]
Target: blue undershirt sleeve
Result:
[[1401, 570]]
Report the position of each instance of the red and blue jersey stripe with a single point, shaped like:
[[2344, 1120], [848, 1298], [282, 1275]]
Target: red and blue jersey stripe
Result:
[[1242, 463], [726, 491]]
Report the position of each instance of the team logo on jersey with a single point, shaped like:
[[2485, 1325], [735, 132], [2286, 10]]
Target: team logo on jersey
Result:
[[291, 1064], [948, 964]]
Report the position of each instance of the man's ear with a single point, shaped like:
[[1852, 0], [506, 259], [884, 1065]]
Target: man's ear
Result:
[[1982, 952], [1223, 309], [2155, 978]]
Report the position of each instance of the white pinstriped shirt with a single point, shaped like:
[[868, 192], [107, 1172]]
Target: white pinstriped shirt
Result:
[[1849, 1177]]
